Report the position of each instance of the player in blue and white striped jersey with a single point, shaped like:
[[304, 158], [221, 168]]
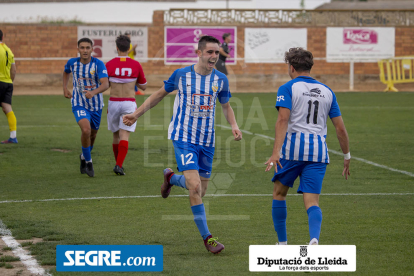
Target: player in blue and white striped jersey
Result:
[[300, 149], [90, 79], [192, 128]]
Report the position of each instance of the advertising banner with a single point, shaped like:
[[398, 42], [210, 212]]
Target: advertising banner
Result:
[[302, 258], [361, 44], [104, 37], [181, 43], [268, 45]]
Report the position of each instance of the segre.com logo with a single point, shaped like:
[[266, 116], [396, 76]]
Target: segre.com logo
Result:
[[109, 258]]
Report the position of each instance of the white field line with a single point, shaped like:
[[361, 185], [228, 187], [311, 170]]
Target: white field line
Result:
[[25, 257], [207, 195], [334, 152]]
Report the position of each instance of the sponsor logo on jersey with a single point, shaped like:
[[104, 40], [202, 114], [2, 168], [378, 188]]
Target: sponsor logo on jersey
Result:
[[280, 98], [315, 90]]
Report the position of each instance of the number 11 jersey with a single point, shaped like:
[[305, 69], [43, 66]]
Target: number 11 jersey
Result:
[[310, 103]]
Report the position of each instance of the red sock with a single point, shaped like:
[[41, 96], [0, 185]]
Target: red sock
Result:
[[115, 149], [122, 152]]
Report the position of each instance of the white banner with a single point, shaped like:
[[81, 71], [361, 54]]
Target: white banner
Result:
[[104, 37], [268, 45], [301, 258], [361, 44]]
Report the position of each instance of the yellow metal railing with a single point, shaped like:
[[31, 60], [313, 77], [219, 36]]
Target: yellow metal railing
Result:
[[396, 70]]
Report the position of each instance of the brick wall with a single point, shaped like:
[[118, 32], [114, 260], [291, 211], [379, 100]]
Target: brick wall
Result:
[[28, 40]]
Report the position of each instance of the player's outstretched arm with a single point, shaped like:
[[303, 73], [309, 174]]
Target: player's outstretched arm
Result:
[[231, 119], [342, 135], [66, 91], [149, 103], [280, 134], [102, 88]]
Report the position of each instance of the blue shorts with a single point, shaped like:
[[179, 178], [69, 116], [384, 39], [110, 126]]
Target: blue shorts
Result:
[[311, 175], [94, 117], [194, 157]]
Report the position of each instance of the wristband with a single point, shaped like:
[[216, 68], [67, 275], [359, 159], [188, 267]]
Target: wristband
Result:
[[347, 156]]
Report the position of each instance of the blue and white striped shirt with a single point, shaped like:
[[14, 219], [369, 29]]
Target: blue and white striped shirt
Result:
[[195, 104], [86, 78], [310, 103]]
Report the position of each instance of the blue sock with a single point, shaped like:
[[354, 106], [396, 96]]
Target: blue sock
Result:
[[200, 220], [91, 148], [87, 153], [315, 222], [178, 180], [279, 214]]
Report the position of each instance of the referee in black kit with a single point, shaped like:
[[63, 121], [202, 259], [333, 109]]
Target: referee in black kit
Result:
[[224, 53]]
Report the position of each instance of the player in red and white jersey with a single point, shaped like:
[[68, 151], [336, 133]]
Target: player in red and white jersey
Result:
[[124, 73]]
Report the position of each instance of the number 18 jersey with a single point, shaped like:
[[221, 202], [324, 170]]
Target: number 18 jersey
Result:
[[310, 103]]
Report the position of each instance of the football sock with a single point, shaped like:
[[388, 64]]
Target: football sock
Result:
[[11, 118], [178, 180], [315, 221], [87, 154], [200, 220], [115, 149], [279, 214], [122, 152]]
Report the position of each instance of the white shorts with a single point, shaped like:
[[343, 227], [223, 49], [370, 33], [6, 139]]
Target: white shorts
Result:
[[118, 107]]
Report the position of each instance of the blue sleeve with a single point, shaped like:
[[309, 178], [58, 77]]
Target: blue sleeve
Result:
[[102, 72], [172, 83], [224, 95], [68, 67], [334, 112], [284, 97]]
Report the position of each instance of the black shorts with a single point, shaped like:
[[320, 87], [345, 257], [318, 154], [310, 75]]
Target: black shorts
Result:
[[6, 92], [221, 66]]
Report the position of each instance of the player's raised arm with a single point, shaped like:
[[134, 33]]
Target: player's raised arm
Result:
[[149, 103], [231, 119], [343, 139]]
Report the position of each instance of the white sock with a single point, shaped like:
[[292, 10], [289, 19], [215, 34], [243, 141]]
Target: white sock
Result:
[[90, 161], [283, 243], [82, 157], [13, 134]]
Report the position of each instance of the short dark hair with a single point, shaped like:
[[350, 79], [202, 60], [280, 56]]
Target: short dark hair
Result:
[[299, 58], [123, 43], [1, 35], [85, 39], [226, 35], [207, 39]]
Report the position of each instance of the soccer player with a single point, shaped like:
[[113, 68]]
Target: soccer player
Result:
[[90, 79], [192, 128], [7, 75], [124, 74], [300, 149], [131, 53]]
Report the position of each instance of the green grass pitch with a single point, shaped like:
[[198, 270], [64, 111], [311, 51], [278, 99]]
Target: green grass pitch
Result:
[[45, 165]]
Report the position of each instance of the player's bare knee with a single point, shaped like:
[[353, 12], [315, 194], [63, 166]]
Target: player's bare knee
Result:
[[86, 131]]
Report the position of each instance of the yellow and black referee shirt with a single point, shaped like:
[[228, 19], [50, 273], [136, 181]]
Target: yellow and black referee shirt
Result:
[[6, 60]]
